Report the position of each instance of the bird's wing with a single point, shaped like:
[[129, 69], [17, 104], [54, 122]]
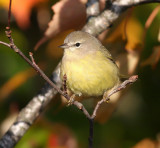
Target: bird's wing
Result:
[[107, 54]]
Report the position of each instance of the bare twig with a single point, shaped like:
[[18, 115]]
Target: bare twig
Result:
[[31, 63], [82, 108], [76, 103], [90, 139], [65, 84], [123, 85], [32, 59], [9, 13], [3, 43]]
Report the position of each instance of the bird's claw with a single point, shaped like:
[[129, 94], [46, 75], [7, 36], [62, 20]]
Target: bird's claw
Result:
[[71, 100], [106, 100]]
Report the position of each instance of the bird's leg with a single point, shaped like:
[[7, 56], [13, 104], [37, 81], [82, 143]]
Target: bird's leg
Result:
[[105, 97], [65, 85], [71, 99]]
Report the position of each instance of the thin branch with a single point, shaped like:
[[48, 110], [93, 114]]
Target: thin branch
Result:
[[9, 14], [82, 108], [65, 84], [5, 44], [90, 139], [123, 85], [31, 63], [76, 103]]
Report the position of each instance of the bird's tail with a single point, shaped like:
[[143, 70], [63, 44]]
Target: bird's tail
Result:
[[123, 77]]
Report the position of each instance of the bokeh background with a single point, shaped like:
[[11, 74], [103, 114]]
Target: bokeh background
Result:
[[134, 40]]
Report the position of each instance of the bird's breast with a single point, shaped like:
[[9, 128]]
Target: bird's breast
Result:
[[90, 75]]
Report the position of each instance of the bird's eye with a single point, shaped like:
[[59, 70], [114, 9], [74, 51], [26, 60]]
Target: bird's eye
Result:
[[77, 44]]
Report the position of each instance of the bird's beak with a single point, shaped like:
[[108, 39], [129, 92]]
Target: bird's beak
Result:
[[65, 45]]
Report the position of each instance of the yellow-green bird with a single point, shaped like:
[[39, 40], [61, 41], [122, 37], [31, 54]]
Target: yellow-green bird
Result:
[[88, 65]]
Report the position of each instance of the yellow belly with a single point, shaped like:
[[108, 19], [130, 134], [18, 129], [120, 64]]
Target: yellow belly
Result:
[[90, 76]]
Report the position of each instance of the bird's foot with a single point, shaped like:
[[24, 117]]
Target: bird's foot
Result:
[[106, 98], [71, 100]]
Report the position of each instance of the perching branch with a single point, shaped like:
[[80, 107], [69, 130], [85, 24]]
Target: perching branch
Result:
[[91, 118], [123, 85]]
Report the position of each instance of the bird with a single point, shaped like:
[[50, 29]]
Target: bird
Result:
[[88, 65]]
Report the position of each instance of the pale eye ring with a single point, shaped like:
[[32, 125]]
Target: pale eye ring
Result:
[[77, 44]]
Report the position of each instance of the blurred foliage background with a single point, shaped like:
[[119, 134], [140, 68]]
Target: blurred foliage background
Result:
[[135, 120]]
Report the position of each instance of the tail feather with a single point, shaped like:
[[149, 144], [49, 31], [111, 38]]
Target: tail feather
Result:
[[123, 77]]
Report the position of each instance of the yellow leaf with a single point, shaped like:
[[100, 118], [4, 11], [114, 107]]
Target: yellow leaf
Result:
[[131, 32], [4, 3]]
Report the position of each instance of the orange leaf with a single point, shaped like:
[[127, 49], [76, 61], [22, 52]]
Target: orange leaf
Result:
[[146, 143], [21, 10], [68, 14]]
